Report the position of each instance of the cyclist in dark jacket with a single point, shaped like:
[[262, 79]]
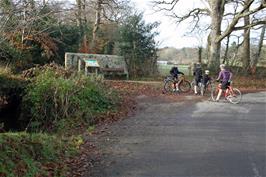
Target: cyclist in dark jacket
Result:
[[174, 73]]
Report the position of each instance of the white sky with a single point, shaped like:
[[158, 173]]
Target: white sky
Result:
[[170, 34]]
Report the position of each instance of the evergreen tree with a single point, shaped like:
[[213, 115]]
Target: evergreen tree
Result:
[[138, 46]]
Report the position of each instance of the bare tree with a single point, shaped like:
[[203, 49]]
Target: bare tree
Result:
[[215, 9], [109, 10], [234, 51], [92, 14], [23, 22], [258, 53]]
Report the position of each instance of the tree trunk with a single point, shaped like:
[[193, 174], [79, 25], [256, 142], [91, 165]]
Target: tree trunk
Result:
[[84, 27], [134, 60], [199, 54], [96, 24], [82, 24], [257, 55], [208, 46], [245, 54], [24, 23], [225, 59], [217, 10], [84, 13], [79, 17]]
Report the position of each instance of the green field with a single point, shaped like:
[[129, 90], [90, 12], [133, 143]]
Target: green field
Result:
[[165, 69]]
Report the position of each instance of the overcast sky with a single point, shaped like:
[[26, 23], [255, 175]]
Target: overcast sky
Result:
[[170, 34]]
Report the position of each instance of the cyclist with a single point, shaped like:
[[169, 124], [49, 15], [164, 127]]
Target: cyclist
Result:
[[206, 78], [174, 73], [224, 77], [197, 77]]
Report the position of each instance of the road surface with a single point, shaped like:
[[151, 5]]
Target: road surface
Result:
[[187, 139]]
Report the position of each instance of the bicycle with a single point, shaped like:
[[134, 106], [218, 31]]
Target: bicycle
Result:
[[203, 89], [170, 84], [233, 95]]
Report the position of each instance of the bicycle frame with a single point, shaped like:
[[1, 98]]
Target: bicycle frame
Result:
[[231, 94], [176, 81], [177, 84], [227, 92]]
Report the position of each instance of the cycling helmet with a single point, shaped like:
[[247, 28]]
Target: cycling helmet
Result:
[[222, 66]]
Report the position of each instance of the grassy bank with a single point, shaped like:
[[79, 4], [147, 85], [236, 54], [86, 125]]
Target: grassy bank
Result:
[[34, 154]]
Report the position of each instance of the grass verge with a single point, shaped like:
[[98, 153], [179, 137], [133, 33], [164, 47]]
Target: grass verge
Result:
[[24, 154]]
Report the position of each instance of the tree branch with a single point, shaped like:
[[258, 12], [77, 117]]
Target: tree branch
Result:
[[231, 27], [158, 3], [249, 26]]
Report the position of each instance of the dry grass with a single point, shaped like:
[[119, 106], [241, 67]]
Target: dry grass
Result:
[[250, 83], [5, 70]]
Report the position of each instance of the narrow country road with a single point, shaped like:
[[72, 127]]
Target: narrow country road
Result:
[[187, 139]]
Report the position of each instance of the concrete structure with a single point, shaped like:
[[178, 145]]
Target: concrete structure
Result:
[[162, 62], [94, 63]]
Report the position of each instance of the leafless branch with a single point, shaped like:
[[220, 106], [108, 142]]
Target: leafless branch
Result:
[[232, 26], [249, 26], [171, 5]]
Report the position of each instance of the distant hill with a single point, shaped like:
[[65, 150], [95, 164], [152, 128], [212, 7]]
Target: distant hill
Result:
[[180, 56], [190, 55]]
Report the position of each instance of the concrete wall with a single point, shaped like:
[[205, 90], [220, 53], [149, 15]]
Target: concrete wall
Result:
[[110, 61]]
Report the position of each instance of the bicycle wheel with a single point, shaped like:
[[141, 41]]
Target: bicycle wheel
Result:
[[234, 96], [214, 93], [184, 86], [206, 89], [169, 86]]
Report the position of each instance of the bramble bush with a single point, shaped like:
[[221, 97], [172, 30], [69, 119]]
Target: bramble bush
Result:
[[51, 98]]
